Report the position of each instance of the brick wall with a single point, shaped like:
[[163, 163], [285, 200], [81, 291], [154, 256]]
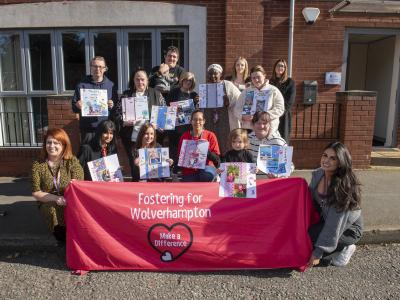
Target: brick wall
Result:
[[357, 118], [258, 30]]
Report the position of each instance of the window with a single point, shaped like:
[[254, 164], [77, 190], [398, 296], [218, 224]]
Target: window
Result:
[[11, 63], [37, 63]]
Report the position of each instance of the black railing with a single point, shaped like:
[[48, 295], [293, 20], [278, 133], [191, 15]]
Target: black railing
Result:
[[318, 121], [22, 129]]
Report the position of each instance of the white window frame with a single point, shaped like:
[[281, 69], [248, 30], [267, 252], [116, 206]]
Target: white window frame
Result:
[[60, 56], [127, 73], [185, 40], [28, 62], [119, 41], [23, 69]]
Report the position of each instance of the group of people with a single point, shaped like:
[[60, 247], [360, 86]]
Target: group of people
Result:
[[334, 187]]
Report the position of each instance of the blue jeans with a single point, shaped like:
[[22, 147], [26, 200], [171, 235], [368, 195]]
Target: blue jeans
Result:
[[206, 175]]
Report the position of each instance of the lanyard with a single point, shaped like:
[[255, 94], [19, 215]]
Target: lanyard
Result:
[[56, 177]]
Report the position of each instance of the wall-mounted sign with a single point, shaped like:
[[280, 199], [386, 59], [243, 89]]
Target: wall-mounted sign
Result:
[[333, 78]]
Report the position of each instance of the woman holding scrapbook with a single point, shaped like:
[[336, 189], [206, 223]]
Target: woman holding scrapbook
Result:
[[212, 156], [185, 91], [103, 144], [146, 139], [129, 129], [265, 97], [240, 73], [337, 197], [222, 120], [51, 176], [287, 87]]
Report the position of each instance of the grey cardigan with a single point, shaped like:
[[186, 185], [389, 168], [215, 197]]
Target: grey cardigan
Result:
[[336, 222]]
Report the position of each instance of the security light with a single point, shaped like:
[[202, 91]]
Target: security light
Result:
[[310, 14]]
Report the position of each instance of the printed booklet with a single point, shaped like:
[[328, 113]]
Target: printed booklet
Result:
[[106, 169], [135, 108], [255, 101], [153, 163], [94, 103], [238, 180], [163, 117], [211, 95], [184, 110], [193, 154], [275, 159]]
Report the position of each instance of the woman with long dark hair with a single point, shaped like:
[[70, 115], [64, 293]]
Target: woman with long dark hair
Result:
[[287, 87], [103, 144], [337, 197]]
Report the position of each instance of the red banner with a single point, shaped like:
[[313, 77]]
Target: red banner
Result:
[[186, 226]]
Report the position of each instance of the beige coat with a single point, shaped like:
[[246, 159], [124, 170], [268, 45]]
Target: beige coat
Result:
[[276, 106]]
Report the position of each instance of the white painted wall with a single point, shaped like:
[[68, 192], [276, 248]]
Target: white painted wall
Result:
[[379, 78], [115, 13]]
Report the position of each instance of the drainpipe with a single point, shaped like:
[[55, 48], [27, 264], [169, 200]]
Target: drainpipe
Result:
[[290, 59], [291, 29]]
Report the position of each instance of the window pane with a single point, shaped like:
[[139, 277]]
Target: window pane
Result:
[[105, 44], [15, 121], [41, 61], [140, 52], [73, 45], [176, 39], [40, 117], [10, 62]]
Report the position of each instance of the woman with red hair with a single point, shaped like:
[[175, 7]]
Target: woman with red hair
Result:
[[51, 176]]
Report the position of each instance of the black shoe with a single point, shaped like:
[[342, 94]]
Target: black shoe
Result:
[[60, 233]]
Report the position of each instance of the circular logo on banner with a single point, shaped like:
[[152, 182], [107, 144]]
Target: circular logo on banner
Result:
[[170, 242]]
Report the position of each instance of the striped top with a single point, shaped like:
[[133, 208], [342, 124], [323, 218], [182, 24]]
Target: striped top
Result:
[[272, 139]]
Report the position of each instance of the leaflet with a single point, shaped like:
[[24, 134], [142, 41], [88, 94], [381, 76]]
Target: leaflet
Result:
[[211, 95], [238, 180], [135, 108], [106, 169], [275, 159], [94, 102], [193, 154], [255, 101], [153, 163], [184, 111], [163, 117]]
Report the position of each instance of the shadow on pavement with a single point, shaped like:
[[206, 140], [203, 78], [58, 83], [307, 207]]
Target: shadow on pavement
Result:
[[17, 187], [52, 258]]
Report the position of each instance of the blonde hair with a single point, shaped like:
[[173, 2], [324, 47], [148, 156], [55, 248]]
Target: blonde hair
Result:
[[188, 75], [239, 133], [246, 68]]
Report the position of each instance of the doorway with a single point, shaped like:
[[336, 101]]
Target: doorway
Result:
[[372, 65]]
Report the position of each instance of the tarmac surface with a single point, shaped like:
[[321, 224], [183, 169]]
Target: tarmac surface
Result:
[[373, 273], [22, 225]]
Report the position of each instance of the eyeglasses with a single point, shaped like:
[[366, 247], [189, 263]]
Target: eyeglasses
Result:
[[98, 67], [280, 65], [188, 80]]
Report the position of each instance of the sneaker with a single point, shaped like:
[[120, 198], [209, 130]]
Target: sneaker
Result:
[[344, 256]]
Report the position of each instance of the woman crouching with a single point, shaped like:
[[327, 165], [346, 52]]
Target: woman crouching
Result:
[[337, 197]]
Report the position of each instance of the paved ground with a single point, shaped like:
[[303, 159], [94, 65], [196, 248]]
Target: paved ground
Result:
[[373, 273]]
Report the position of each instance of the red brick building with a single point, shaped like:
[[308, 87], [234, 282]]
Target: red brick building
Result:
[[45, 49]]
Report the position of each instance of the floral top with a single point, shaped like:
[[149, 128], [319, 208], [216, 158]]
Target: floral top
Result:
[[43, 179]]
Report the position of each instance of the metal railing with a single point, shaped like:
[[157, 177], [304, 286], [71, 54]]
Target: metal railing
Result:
[[318, 121], [22, 129]]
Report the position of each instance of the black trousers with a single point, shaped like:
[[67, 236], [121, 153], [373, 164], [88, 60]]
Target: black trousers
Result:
[[349, 237]]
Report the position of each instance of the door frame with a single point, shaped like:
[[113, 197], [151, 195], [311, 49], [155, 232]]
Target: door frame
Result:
[[391, 131]]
